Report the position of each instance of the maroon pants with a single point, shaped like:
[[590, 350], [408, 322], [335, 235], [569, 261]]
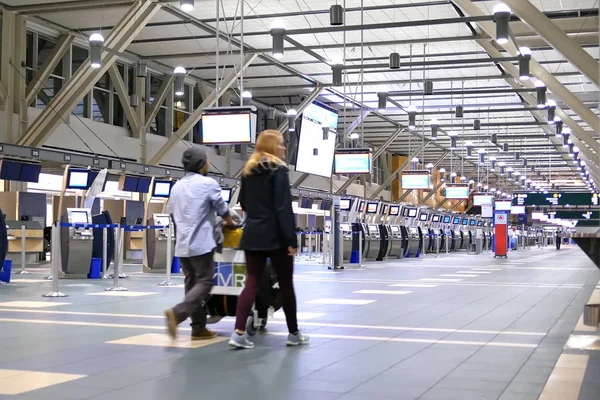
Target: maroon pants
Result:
[[284, 267]]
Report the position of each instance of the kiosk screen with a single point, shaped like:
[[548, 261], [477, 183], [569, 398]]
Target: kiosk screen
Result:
[[412, 212], [394, 210], [456, 221], [79, 217], [423, 217], [436, 218], [472, 222], [465, 221], [344, 204]]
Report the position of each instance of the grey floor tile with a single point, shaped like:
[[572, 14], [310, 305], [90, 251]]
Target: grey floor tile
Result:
[[518, 396], [471, 384], [386, 385], [526, 387], [458, 394]]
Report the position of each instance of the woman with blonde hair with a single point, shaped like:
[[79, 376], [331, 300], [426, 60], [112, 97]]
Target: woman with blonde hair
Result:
[[269, 233]]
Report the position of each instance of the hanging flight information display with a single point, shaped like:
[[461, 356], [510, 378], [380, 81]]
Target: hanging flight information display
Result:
[[415, 180], [457, 191], [556, 199]]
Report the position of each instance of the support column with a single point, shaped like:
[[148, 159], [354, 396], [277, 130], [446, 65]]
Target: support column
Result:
[[20, 82], [140, 116], [8, 72]]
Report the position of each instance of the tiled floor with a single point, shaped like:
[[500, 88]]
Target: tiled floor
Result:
[[454, 327]]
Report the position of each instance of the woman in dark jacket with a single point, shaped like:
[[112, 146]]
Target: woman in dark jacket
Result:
[[270, 232]]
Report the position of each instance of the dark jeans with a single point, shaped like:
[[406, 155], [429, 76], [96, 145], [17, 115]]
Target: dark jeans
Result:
[[284, 267], [558, 243], [198, 272]]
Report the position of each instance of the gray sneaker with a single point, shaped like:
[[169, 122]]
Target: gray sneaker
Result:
[[240, 341], [297, 339]]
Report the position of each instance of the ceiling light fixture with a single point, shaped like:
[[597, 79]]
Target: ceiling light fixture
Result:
[[501, 16], [412, 117], [96, 41], [540, 88], [551, 111], [186, 5], [524, 58], [382, 101], [336, 15], [179, 73], [394, 61], [277, 33]]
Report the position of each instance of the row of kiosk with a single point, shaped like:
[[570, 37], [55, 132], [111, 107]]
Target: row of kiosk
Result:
[[401, 231]]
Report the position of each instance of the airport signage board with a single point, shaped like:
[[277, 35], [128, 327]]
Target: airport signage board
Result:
[[556, 199], [457, 191], [415, 180]]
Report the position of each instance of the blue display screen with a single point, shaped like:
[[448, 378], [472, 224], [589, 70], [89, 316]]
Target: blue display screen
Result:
[[10, 170], [31, 172]]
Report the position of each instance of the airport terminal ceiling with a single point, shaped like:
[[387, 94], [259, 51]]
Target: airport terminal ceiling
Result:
[[447, 49]]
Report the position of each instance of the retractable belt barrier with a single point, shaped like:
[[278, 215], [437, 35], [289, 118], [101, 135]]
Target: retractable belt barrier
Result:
[[119, 252]]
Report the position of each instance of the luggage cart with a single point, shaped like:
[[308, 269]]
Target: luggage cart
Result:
[[229, 281]]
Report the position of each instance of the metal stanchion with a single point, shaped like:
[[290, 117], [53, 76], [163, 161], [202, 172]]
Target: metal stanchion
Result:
[[310, 237], [437, 246], [23, 253], [360, 247], [104, 275], [169, 258], [340, 239], [325, 248], [319, 236], [119, 234], [55, 250]]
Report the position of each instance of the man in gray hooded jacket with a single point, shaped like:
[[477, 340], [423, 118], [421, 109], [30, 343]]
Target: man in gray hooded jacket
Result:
[[194, 203]]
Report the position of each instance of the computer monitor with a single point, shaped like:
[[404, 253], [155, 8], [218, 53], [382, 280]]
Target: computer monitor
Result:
[[456, 220], [423, 217], [435, 218], [465, 221], [394, 210], [446, 219], [162, 189], [412, 212], [226, 194], [345, 204]]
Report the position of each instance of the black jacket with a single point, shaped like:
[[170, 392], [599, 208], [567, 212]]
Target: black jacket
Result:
[[266, 198]]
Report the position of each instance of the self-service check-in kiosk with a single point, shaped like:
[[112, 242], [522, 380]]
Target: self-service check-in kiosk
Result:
[[372, 234], [415, 239], [156, 243], [395, 249], [423, 229], [455, 233], [77, 244]]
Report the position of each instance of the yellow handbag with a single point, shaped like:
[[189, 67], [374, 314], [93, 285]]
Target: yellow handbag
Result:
[[232, 237]]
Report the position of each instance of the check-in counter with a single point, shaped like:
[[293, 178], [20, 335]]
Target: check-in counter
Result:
[[34, 241]]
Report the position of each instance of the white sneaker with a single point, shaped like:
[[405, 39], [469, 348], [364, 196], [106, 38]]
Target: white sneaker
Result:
[[240, 341], [297, 339]]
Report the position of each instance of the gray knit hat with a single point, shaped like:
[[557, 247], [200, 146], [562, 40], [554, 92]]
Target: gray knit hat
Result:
[[194, 159]]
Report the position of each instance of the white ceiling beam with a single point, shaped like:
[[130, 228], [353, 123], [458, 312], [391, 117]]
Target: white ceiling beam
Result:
[[121, 90], [84, 79], [538, 71], [556, 38], [43, 73]]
